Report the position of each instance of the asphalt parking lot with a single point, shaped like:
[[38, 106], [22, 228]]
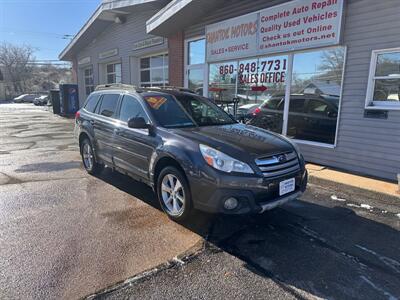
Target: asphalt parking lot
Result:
[[64, 234]]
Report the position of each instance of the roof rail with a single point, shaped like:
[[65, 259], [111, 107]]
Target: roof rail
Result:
[[169, 87], [115, 86]]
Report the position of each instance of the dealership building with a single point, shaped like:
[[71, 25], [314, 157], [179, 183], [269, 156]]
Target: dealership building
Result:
[[325, 73]]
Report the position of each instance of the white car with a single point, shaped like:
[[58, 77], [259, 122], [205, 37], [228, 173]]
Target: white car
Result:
[[25, 98], [41, 100]]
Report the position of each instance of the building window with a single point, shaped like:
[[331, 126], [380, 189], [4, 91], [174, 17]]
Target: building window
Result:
[[195, 62], [384, 80], [89, 83], [154, 70], [114, 73], [309, 96]]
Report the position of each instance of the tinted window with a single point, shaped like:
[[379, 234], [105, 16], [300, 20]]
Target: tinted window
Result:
[[317, 107], [131, 108], [296, 105], [92, 102], [272, 103], [109, 105]]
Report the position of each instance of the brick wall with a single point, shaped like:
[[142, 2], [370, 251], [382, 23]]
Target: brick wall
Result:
[[176, 59]]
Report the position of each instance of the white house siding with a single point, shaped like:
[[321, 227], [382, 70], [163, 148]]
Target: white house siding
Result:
[[121, 36], [366, 146]]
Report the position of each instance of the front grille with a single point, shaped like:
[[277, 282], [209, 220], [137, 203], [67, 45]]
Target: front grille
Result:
[[278, 164]]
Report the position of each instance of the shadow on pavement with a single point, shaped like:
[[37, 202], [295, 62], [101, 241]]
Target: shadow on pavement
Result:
[[324, 251]]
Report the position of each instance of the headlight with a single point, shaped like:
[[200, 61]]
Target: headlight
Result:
[[223, 162]]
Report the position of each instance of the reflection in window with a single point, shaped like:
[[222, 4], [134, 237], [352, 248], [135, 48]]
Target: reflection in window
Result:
[[386, 85], [197, 52], [316, 83], [154, 70], [222, 84]]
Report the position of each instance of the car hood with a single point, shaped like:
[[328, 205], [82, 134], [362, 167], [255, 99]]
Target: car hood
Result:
[[238, 140]]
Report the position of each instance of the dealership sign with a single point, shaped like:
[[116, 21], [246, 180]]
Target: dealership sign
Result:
[[150, 42], [296, 25]]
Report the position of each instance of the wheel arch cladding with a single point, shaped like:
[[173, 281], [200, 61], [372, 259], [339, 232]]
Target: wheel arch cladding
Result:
[[167, 161]]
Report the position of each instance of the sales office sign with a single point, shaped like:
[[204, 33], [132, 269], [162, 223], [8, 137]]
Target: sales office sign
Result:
[[296, 25]]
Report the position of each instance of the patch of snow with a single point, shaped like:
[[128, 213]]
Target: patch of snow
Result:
[[366, 206], [335, 198]]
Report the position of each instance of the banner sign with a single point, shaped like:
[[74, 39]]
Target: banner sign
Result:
[[108, 53], [150, 42], [296, 25], [84, 61], [232, 38]]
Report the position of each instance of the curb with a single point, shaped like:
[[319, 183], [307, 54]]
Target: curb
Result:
[[341, 187]]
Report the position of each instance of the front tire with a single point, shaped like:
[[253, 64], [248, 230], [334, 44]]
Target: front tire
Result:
[[174, 194], [88, 158]]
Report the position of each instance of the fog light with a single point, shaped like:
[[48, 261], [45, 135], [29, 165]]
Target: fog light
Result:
[[231, 203]]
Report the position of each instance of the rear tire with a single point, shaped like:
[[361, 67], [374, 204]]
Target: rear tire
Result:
[[88, 158], [174, 195]]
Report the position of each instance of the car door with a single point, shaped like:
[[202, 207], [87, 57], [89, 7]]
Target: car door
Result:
[[319, 126], [104, 124], [133, 147], [296, 121]]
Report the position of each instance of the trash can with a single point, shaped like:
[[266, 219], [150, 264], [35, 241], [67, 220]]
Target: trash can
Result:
[[69, 99], [55, 101]]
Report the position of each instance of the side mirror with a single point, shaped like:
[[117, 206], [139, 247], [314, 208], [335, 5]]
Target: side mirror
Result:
[[138, 123]]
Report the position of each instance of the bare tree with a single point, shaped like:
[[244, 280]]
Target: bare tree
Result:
[[16, 63], [332, 64]]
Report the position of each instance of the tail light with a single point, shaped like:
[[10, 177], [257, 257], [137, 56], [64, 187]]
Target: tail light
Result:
[[77, 115], [256, 111]]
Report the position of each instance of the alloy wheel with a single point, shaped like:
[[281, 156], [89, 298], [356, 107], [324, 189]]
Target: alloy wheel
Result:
[[173, 195], [88, 158]]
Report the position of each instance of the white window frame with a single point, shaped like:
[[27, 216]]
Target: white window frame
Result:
[[202, 67], [91, 86], [164, 67], [369, 101], [113, 73]]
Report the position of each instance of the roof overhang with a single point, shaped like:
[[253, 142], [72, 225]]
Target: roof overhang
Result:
[[179, 14], [108, 12]]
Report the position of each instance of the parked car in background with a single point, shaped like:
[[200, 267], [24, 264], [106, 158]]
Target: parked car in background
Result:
[[41, 100], [189, 150], [245, 112], [25, 98], [312, 117]]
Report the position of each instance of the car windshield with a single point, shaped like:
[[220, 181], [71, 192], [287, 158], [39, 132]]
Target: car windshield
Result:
[[186, 110]]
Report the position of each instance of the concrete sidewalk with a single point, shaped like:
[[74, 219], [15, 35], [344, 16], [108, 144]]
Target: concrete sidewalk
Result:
[[318, 174]]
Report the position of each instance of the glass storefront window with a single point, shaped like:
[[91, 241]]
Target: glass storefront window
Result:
[[89, 82], [222, 84], [315, 95]]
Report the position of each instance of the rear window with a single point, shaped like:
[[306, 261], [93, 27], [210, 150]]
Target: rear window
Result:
[[272, 103], [91, 102], [108, 105]]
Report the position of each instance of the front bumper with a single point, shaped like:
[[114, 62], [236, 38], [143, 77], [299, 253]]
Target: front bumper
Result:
[[254, 194]]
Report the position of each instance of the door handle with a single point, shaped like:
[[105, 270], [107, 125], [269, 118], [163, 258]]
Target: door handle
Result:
[[92, 122], [117, 131]]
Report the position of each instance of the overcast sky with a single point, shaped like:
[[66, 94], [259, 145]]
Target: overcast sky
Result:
[[43, 23]]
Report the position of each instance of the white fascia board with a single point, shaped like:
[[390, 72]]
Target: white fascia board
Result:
[[164, 14], [104, 6]]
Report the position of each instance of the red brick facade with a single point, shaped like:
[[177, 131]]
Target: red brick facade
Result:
[[176, 50]]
